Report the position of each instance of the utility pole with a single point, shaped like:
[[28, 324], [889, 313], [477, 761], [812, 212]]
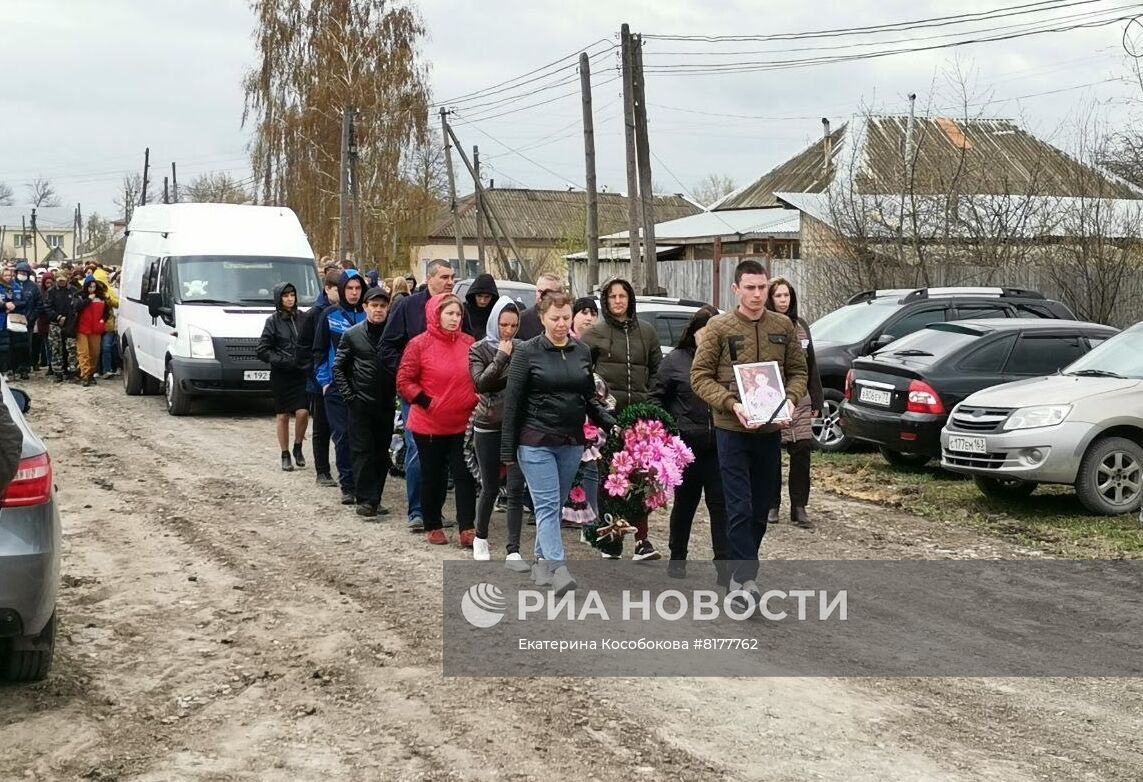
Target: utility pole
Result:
[[479, 210], [35, 244], [74, 230], [146, 173], [632, 165], [355, 191], [24, 237], [174, 183], [646, 193], [79, 221], [343, 188], [446, 132], [166, 190], [589, 163]]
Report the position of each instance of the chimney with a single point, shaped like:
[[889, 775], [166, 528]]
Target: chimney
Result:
[[491, 184], [827, 147]]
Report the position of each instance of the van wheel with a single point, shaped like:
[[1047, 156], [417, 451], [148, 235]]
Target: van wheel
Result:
[[1003, 488], [827, 428], [178, 401], [30, 659], [899, 459], [132, 376], [1110, 478]]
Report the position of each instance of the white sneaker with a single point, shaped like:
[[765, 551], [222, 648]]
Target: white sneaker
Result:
[[516, 563], [480, 550]]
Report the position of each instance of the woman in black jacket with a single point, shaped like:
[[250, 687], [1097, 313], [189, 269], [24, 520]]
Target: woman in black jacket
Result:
[[550, 391], [672, 391], [280, 348]]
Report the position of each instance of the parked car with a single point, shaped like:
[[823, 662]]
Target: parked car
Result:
[[1082, 427], [29, 557], [669, 316], [898, 399], [873, 319], [523, 293]]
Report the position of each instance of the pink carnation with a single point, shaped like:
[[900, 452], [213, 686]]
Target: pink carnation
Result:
[[577, 495], [591, 432]]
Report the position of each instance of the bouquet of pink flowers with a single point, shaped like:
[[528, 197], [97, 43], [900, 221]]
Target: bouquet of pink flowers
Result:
[[645, 459]]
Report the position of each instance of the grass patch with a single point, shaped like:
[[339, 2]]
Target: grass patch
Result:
[[1051, 517]]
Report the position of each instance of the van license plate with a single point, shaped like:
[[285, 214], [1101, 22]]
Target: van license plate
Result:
[[875, 396], [968, 444], [262, 375]]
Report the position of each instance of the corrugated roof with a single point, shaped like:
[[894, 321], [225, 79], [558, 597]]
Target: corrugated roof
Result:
[[759, 223], [618, 253], [47, 217], [553, 215], [979, 156]]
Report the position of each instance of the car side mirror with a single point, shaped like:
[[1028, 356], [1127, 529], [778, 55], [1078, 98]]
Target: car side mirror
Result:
[[22, 399], [883, 340], [155, 304]]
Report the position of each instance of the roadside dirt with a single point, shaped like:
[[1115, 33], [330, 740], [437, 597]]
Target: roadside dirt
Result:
[[222, 620]]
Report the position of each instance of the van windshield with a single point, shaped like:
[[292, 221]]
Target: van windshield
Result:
[[245, 281]]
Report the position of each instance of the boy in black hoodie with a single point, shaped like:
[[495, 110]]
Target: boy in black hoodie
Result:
[[478, 305]]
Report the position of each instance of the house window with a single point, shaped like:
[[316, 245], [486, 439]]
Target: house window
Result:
[[55, 240], [22, 240]]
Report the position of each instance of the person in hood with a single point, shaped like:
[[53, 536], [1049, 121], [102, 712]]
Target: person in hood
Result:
[[319, 425], [478, 305], [488, 362], [407, 321], [109, 347], [627, 355], [93, 314], [433, 379], [335, 321], [370, 395], [28, 302], [61, 307], [280, 346]]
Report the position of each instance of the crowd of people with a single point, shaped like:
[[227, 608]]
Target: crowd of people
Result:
[[506, 407], [59, 320]]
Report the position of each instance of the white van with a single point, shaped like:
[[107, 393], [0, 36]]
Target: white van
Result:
[[195, 292]]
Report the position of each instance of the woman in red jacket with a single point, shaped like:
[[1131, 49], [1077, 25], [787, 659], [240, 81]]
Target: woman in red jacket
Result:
[[433, 378], [93, 314]]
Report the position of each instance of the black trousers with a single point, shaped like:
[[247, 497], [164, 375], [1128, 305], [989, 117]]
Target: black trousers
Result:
[[370, 432], [702, 476], [798, 484], [441, 456], [319, 432], [487, 446]]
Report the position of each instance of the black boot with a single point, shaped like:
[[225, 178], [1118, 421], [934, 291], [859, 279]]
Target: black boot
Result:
[[286, 466], [800, 518], [299, 457]]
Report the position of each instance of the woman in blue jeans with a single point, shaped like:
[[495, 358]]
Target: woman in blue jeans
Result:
[[550, 391]]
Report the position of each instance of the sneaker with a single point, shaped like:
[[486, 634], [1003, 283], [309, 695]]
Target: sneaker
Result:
[[382, 510], [286, 466], [347, 498], [644, 551], [325, 479], [94, 376], [516, 563], [605, 555], [467, 538], [677, 568], [299, 457], [562, 581], [480, 551], [366, 510], [772, 516], [416, 524], [740, 592], [437, 537], [541, 576]]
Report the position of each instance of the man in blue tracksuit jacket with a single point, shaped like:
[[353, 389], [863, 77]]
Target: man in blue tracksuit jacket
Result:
[[335, 321]]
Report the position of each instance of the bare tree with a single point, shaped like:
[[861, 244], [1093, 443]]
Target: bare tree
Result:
[[6, 194], [217, 187], [132, 191], [41, 192], [96, 233], [713, 187]]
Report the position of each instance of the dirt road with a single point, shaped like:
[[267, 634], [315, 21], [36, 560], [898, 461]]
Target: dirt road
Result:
[[222, 620]]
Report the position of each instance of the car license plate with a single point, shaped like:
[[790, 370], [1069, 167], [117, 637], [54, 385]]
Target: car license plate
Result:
[[875, 396], [967, 444], [262, 375]]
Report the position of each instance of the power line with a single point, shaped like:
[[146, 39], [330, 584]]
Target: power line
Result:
[[520, 154]]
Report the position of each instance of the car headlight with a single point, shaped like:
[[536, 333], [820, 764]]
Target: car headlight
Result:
[[201, 345], [1035, 417]]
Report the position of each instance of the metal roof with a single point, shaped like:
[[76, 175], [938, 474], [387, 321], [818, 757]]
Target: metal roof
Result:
[[552, 215], [729, 225], [620, 252], [977, 156], [47, 217]]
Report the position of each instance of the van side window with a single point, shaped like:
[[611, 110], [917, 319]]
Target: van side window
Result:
[[150, 278]]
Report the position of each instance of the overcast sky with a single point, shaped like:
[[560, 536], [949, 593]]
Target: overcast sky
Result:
[[91, 84]]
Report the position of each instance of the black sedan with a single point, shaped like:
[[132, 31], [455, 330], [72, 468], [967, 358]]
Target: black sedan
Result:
[[900, 397]]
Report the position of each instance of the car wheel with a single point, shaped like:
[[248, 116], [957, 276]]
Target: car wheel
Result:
[[30, 664], [1004, 488], [898, 459], [132, 376], [1110, 478], [178, 401], [827, 427]]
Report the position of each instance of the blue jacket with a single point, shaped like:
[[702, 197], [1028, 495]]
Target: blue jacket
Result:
[[306, 335], [406, 320], [335, 320], [27, 296]]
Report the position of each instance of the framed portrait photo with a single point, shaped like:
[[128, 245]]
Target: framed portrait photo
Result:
[[762, 392]]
